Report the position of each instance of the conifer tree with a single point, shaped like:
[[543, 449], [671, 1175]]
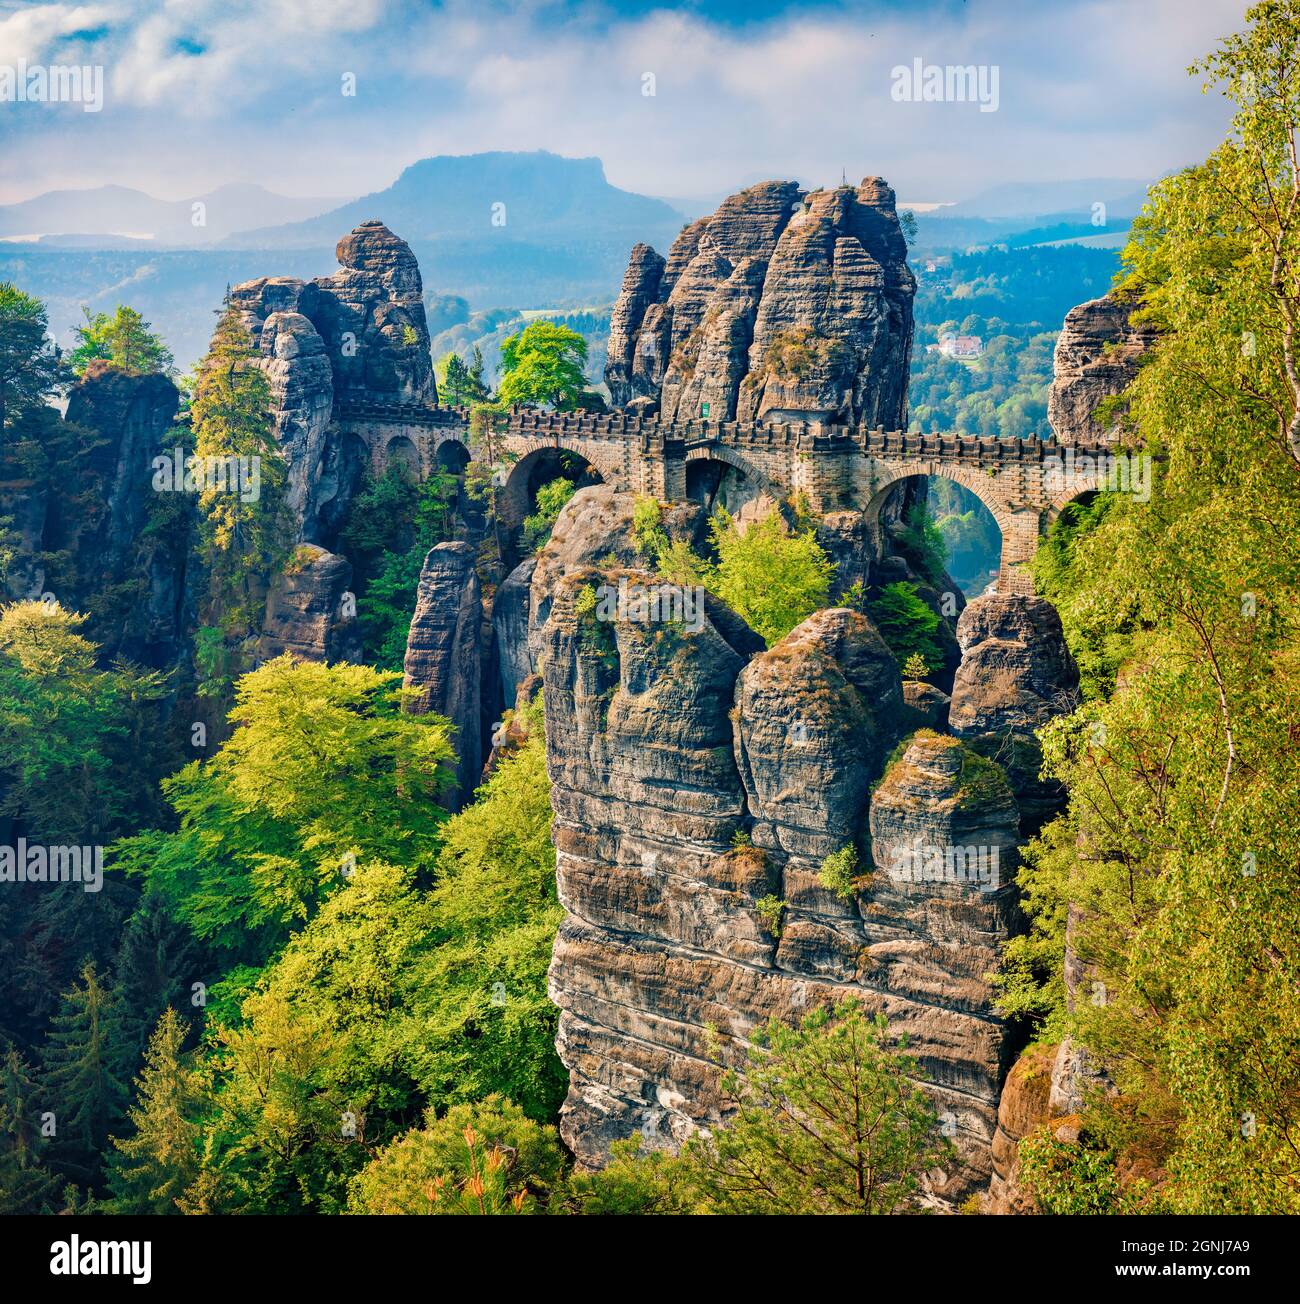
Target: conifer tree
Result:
[[150, 1171], [123, 340], [26, 1185], [84, 1080], [157, 963], [242, 539]]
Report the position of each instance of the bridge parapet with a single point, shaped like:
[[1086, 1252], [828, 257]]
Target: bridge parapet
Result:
[[360, 410]]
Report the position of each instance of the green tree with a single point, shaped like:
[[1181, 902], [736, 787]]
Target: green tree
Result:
[[324, 771], [156, 968], [283, 1136], [772, 577], [906, 623], [1174, 866], [485, 1157], [451, 383], [26, 1185], [149, 1171], [480, 990], [84, 1074], [31, 371], [827, 1121], [551, 498], [543, 364], [124, 341], [242, 540], [390, 528], [477, 389]]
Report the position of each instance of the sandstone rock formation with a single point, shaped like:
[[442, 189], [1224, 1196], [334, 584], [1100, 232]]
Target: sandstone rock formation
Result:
[[782, 302], [511, 612], [360, 333], [110, 546], [1098, 353], [1025, 1106], [696, 774], [308, 612], [1016, 673], [595, 525], [444, 655], [924, 707]]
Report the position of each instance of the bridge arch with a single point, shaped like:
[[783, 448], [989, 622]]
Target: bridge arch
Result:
[[1010, 525], [517, 498], [451, 456], [716, 475], [401, 451], [1075, 494]]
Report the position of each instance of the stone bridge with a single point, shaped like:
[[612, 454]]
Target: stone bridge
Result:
[[1023, 482]]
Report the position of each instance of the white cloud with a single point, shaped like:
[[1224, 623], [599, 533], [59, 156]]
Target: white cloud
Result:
[[1097, 87]]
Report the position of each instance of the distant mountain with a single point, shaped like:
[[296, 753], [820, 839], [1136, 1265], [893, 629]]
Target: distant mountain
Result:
[[564, 242], [118, 215], [1033, 212], [1034, 199], [538, 198]]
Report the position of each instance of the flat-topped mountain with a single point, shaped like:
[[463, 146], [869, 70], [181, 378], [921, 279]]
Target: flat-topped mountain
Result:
[[520, 196]]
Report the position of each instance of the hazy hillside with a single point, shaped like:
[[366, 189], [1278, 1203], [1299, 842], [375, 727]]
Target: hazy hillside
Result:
[[113, 212]]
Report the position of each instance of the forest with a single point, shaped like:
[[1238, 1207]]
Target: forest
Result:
[[309, 982]]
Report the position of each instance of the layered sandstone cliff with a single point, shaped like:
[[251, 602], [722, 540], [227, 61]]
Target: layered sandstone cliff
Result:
[[699, 783], [444, 656], [1098, 353], [360, 333], [781, 302]]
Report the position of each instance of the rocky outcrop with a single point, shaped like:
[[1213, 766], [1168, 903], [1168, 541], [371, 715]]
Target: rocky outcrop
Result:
[[645, 270], [302, 388], [310, 610], [511, 619], [647, 799], [815, 716], [1025, 1106], [595, 525], [924, 706], [371, 316], [444, 655], [1016, 673], [127, 541], [696, 774], [944, 837], [782, 303], [1098, 353], [360, 333]]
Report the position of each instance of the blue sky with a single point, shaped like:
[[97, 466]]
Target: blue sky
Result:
[[200, 93]]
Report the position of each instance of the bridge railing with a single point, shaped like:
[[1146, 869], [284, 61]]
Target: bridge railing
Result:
[[813, 437]]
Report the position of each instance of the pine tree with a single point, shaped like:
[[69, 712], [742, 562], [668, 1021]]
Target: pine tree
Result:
[[478, 390], [124, 341], [456, 380], [30, 366], [150, 1171], [157, 962], [26, 1185], [83, 1064], [241, 540]]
